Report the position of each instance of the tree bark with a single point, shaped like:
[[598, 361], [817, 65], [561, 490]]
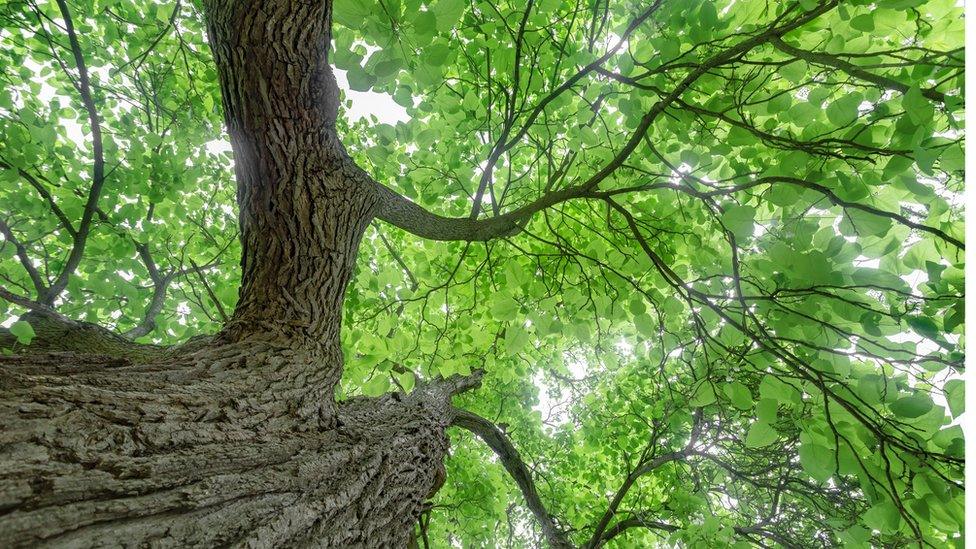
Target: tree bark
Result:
[[304, 205], [235, 440], [102, 452]]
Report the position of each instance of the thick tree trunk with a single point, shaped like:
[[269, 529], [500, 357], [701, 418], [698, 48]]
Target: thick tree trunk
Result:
[[236, 440], [304, 205], [97, 453]]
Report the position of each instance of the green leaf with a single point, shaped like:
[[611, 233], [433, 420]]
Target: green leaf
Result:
[[912, 406], [407, 380], [795, 72], [739, 220], [739, 394], [378, 385], [23, 331], [843, 111], [771, 387], [515, 339], [766, 410], [704, 395], [504, 307], [924, 326], [449, 13], [352, 13], [437, 54], [917, 107], [868, 224], [817, 461], [760, 434], [864, 23], [387, 68], [425, 26], [359, 80], [884, 517], [645, 325], [955, 392]]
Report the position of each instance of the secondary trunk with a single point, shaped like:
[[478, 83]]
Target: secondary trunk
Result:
[[237, 440]]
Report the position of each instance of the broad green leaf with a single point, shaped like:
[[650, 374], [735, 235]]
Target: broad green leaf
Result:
[[23, 331], [739, 220], [704, 395], [864, 22], [818, 461], [912, 406], [955, 391], [760, 434], [766, 410], [645, 325], [924, 326], [739, 395], [504, 307], [407, 380], [515, 339], [883, 516], [379, 384]]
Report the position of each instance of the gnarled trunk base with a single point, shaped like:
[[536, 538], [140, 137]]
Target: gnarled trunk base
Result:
[[205, 449]]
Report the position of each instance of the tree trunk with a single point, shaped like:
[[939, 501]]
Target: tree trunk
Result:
[[236, 440], [177, 452], [304, 205]]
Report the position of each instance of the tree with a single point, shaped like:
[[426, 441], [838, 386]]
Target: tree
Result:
[[687, 271]]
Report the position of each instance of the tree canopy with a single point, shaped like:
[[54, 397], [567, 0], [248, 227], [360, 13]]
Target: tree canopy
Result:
[[708, 255]]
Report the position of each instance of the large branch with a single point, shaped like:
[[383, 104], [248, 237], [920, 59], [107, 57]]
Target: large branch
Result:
[[413, 218], [509, 456], [98, 167], [398, 210], [826, 59], [641, 522], [161, 282]]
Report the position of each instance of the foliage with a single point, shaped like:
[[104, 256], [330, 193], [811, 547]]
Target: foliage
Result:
[[745, 318]]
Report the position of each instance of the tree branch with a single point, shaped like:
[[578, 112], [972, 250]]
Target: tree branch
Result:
[[220, 308], [58, 212], [98, 168], [641, 522], [852, 69], [398, 210], [644, 467], [509, 456], [160, 285], [838, 201], [24, 257]]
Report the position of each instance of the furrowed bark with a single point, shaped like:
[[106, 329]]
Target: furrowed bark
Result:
[[179, 453], [303, 204]]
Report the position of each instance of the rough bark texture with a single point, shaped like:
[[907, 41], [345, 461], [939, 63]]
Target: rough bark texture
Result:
[[303, 204], [179, 452], [235, 440]]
